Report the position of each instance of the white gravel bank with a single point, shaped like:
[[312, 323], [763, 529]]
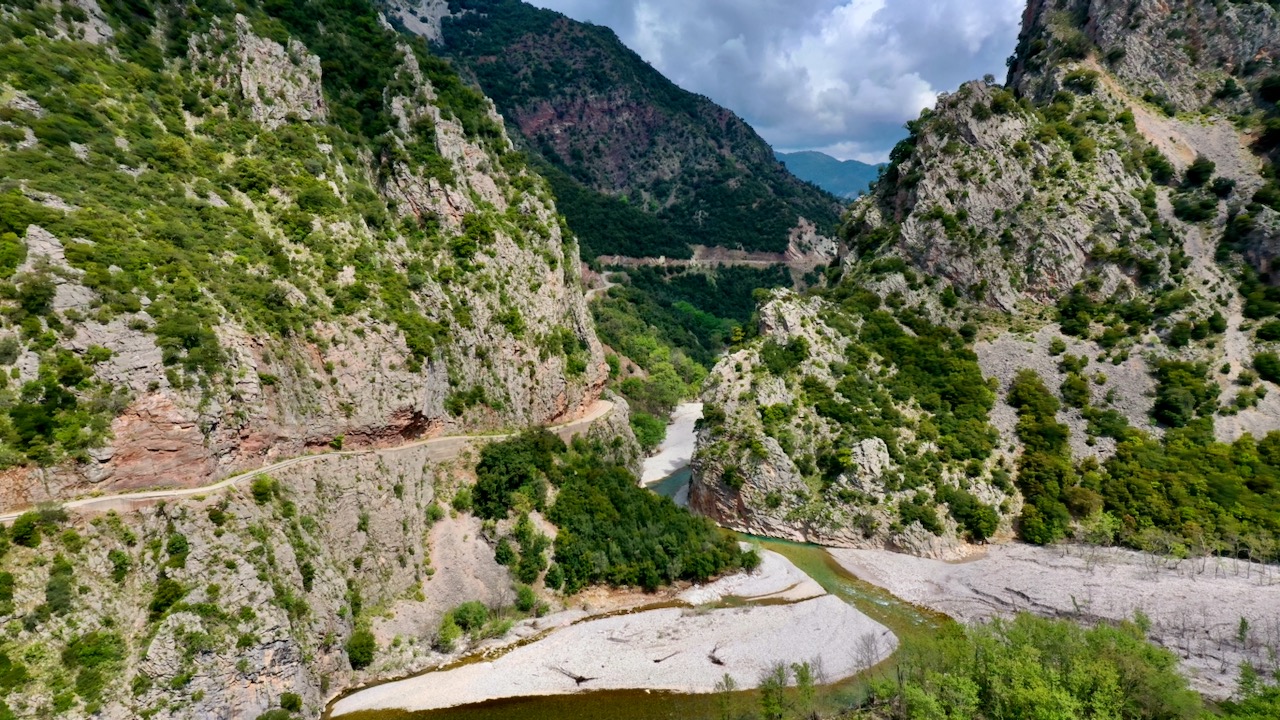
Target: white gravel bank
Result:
[[666, 649], [1195, 606], [676, 451]]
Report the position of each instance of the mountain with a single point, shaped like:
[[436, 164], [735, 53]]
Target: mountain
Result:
[[843, 178], [231, 236], [1058, 304], [639, 166]]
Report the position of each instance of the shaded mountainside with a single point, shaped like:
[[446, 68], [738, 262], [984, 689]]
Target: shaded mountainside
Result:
[[1098, 235], [639, 166], [257, 235], [843, 178]]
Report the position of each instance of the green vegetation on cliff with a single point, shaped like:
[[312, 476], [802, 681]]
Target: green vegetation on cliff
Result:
[[182, 211]]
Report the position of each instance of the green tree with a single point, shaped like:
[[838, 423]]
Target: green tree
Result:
[[361, 648], [773, 688], [26, 530]]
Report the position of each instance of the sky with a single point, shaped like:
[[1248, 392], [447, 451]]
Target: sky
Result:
[[841, 76]]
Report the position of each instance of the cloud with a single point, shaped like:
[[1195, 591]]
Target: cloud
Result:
[[836, 75]]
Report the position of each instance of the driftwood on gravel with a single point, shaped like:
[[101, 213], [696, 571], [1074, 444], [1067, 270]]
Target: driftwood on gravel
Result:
[[713, 657], [658, 660], [579, 679]]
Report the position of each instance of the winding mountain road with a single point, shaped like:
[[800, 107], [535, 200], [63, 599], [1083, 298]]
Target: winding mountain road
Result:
[[442, 448]]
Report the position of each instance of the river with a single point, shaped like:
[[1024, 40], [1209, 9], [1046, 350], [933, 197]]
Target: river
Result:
[[668, 473]]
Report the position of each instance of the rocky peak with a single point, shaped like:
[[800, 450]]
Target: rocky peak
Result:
[[1184, 55]]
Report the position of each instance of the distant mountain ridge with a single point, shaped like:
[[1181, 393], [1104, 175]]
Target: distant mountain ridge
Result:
[[842, 178], [639, 166]]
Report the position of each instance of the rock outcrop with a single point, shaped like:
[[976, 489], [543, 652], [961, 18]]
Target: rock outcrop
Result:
[[777, 455], [1085, 221], [1189, 54], [428, 298]]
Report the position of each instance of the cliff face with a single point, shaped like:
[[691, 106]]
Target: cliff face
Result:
[[256, 263], [1186, 54], [1103, 214], [808, 435], [640, 167], [228, 239], [216, 606]]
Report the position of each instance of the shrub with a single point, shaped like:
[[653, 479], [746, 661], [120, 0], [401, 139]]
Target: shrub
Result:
[[1269, 332], [462, 500], [59, 593], [1268, 366], [782, 359], [1075, 391], [120, 563], [1194, 208], [650, 431], [1223, 187], [447, 637], [503, 554], [263, 489], [167, 594], [555, 577], [977, 519], [361, 648], [470, 616], [1082, 80], [918, 511], [26, 530], [1200, 171], [525, 598], [1182, 392], [435, 514], [291, 702], [7, 585], [1158, 165]]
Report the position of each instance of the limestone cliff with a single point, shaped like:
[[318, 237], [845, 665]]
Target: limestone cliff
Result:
[[262, 261], [1099, 219], [228, 240], [810, 434]]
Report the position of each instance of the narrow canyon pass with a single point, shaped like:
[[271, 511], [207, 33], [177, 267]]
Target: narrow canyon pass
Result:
[[444, 359]]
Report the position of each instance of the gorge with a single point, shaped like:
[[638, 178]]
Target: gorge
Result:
[[354, 353]]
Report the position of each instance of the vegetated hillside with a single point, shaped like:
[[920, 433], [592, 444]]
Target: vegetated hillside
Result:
[[1100, 259], [251, 235], [847, 179], [639, 166], [236, 234]]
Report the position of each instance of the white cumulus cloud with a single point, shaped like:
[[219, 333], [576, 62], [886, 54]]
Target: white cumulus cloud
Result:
[[835, 75]]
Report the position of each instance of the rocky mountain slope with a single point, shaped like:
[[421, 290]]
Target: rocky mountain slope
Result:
[[234, 247], [1097, 232], [846, 179], [228, 238], [640, 167]]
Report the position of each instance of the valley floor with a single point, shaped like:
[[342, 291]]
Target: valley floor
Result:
[[1197, 608], [676, 451], [779, 615]]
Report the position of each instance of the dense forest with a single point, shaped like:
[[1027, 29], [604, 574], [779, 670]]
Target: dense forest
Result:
[[610, 530], [1185, 493], [1051, 669]]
